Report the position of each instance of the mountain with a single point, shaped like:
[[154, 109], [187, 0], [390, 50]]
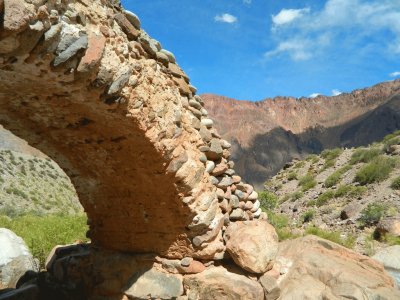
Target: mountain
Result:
[[267, 134], [351, 195]]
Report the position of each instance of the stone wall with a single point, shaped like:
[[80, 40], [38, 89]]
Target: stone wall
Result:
[[82, 82]]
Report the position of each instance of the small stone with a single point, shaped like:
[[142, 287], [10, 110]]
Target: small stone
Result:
[[236, 179], [205, 134], [257, 213], [270, 286], [72, 50], [225, 144], [183, 86], [241, 195], [131, 32], [253, 196], [220, 194], [193, 89], [234, 201], [203, 158], [176, 71], [215, 151], [237, 214], [228, 193], [220, 169], [230, 172], [207, 122], [195, 112], [170, 55], [204, 112], [224, 182], [204, 148], [134, 19], [210, 165], [162, 58], [214, 180], [248, 205], [120, 82], [195, 104], [93, 54], [185, 262], [224, 205], [256, 206]]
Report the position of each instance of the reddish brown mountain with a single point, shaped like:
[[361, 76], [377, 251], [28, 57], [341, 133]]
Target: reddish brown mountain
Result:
[[269, 133]]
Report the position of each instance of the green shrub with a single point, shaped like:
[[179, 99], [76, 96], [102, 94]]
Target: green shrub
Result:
[[335, 177], [364, 155], [41, 234], [332, 236], [388, 144], [279, 221], [286, 234], [323, 198], [377, 170], [268, 200], [372, 214], [292, 176], [313, 158], [396, 183], [311, 203], [350, 190], [296, 195], [308, 216], [330, 154], [391, 136], [299, 164], [307, 182]]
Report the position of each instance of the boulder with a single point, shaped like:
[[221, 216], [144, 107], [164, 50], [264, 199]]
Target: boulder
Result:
[[252, 245], [390, 226], [314, 268], [15, 259], [390, 258], [155, 284], [218, 283]]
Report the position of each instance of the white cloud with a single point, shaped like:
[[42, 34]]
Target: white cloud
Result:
[[314, 95], [286, 16], [296, 48], [336, 92], [394, 74], [225, 18], [356, 26]]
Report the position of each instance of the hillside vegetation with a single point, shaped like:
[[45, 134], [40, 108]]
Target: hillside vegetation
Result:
[[350, 196], [35, 185]]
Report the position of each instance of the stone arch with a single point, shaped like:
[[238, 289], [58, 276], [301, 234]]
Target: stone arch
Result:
[[85, 85]]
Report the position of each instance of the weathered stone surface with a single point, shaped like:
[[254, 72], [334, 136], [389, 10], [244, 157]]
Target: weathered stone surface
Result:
[[224, 182], [351, 211], [155, 284], [390, 258], [220, 169], [80, 44], [16, 16], [237, 215], [93, 54], [134, 19], [207, 122], [15, 259], [252, 245], [183, 86], [313, 268], [176, 267], [215, 151], [177, 71], [270, 286], [120, 81], [131, 32], [218, 283], [162, 57], [390, 226], [170, 55]]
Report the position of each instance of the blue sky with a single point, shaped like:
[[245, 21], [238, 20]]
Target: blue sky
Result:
[[253, 49]]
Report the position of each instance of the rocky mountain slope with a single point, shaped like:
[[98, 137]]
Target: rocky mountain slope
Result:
[[267, 134], [353, 194]]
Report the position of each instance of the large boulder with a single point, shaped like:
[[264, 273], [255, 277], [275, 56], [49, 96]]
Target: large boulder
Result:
[[217, 283], [390, 258], [15, 259], [313, 268], [252, 245]]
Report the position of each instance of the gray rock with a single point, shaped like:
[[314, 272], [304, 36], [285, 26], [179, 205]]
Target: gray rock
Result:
[[225, 182], [15, 258], [120, 82], [241, 195], [134, 19], [207, 122], [270, 286], [210, 165], [214, 180], [234, 201], [170, 55], [150, 45], [72, 50], [195, 104], [205, 133], [390, 258], [237, 214], [203, 158], [215, 151], [225, 144], [185, 262], [230, 172], [155, 284]]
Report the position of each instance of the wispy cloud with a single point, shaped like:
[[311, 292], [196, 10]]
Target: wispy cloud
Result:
[[286, 16], [394, 74], [296, 48], [336, 92], [314, 95], [247, 1], [357, 24], [225, 18]]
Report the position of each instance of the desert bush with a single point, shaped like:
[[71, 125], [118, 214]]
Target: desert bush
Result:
[[42, 233], [325, 197], [268, 200], [391, 136], [308, 216], [364, 155], [332, 236], [388, 144], [335, 177], [372, 214], [307, 182], [329, 154], [299, 164], [292, 176], [313, 158], [396, 183], [350, 190], [296, 195], [377, 170], [279, 221]]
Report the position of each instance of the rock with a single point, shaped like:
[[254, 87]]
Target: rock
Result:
[[351, 211], [390, 258], [390, 226], [210, 165], [218, 283], [225, 144], [175, 266], [183, 86], [220, 169], [16, 16], [215, 151], [178, 162], [161, 57], [234, 201], [236, 179], [220, 194], [134, 19], [237, 215], [80, 44], [253, 196], [27, 292], [120, 82], [155, 284], [205, 133], [252, 245], [176, 71], [93, 54], [313, 268], [270, 286], [224, 183], [207, 122], [185, 262], [256, 206], [241, 195], [131, 32], [170, 55], [15, 259]]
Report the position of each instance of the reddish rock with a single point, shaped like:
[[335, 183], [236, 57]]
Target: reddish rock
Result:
[[131, 32], [16, 16], [93, 54]]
